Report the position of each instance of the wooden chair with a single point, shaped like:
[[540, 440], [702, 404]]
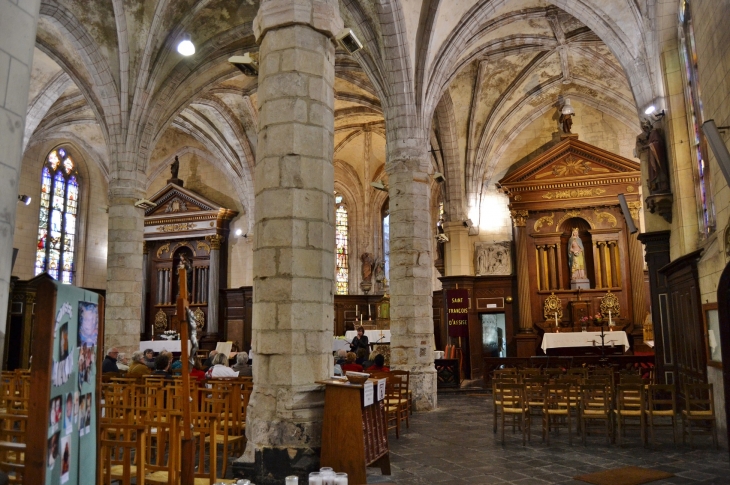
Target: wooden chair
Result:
[[405, 377], [630, 404], [121, 453], [557, 407], [497, 397], [661, 403], [163, 449], [205, 430], [535, 392], [218, 402], [12, 460], [514, 403], [595, 406], [393, 404], [699, 410]]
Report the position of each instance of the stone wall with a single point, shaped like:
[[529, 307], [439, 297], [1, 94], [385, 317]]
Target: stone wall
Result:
[[91, 234]]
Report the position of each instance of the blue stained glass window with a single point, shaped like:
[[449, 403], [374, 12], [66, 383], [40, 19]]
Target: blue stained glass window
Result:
[[58, 216], [386, 239]]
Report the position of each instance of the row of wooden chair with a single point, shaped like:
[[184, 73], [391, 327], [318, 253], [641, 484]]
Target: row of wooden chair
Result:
[[597, 400], [14, 401], [398, 398]]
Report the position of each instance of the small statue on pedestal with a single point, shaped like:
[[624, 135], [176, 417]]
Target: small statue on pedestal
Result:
[[577, 262]]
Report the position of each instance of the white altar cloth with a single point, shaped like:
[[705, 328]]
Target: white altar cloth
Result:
[[379, 336], [160, 345], [583, 339]]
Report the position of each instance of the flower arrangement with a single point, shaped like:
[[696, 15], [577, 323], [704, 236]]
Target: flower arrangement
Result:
[[592, 320], [170, 335]]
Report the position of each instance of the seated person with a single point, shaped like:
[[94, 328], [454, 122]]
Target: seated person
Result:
[[138, 368], [149, 358], [219, 367], [362, 355], [341, 357], [371, 360], [379, 364], [241, 366], [351, 365], [209, 361], [197, 371], [162, 366], [122, 363], [110, 361], [176, 364]]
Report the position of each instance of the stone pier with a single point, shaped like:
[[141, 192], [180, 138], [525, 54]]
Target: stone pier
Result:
[[293, 271]]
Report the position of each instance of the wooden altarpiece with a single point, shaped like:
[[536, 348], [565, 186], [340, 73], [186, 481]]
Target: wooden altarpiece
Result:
[[184, 223], [575, 184]]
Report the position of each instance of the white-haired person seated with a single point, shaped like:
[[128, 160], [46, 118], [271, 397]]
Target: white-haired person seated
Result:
[[219, 367], [241, 366], [138, 367]]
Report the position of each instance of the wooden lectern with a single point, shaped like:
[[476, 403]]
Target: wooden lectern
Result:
[[354, 436]]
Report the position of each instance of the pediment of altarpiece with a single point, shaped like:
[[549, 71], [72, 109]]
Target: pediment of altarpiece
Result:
[[180, 212], [572, 174]]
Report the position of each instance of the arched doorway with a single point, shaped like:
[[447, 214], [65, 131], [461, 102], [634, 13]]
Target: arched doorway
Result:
[[723, 308]]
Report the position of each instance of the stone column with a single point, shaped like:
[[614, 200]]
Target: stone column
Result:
[[293, 272], [214, 281], [527, 339], [411, 312], [124, 285], [458, 252], [18, 21]]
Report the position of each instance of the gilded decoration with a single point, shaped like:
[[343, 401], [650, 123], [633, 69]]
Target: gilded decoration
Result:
[[215, 241], [145, 247], [161, 320], [202, 245], [519, 217], [634, 209], [569, 215], [574, 193], [199, 318], [182, 243], [544, 221], [165, 248], [176, 205], [183, 226], [630, 188], [552, 306], [610, 302], [606, 217]]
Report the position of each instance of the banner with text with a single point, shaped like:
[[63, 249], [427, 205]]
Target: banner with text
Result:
[[457, 312]]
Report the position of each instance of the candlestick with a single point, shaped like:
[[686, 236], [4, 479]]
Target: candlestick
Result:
[[361, 318]]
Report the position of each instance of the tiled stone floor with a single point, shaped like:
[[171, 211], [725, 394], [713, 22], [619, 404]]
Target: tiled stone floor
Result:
[[455, 445]]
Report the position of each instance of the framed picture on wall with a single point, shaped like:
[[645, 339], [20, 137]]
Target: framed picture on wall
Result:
[[712, 334]]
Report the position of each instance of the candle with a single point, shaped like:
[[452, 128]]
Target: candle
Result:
[[610, 322], [356, 310], [369, 310], [556, 319], [341, 479], [315, 478], [361, 318]]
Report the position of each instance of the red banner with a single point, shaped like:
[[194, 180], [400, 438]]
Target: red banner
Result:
[[457, 312]]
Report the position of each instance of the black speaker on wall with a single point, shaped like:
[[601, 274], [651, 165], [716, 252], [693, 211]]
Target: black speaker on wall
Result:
[[718, 147], [627, 215]]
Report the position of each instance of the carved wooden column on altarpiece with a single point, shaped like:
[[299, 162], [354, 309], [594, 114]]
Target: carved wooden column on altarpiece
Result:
[[214, 281], [636, 266], [526, 339]]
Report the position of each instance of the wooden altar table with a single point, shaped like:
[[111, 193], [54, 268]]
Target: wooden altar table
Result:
[[584, 339]]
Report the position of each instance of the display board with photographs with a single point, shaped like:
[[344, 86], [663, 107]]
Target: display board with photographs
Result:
[[72, 320]]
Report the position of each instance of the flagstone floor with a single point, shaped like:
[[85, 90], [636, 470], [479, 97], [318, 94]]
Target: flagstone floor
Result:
[[455, 445]]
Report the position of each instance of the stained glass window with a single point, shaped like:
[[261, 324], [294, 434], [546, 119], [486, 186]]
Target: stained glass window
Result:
[[57, 218], [342, 270], [385, 214], [693, 100]]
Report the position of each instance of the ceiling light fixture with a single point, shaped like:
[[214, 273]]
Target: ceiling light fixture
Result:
[[239, 232], [650, 110], [567, 108], [186, 46]]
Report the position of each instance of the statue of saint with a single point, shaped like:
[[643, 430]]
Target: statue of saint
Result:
[[567, 122], [380, 271], [175, 168], [658, 163], [576, 257], [367, 266]]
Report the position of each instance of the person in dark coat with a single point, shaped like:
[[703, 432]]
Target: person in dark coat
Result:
[[110, 361], [360, 341]]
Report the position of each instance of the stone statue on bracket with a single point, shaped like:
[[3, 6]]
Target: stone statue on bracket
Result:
[[493, 258], [174, 170], [658, 163], [577, 262], [366, 271]]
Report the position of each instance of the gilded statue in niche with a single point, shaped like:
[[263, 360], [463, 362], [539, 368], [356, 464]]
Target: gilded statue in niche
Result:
[[493, 258]]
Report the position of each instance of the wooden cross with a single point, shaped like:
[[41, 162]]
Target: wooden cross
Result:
[[187, 445]]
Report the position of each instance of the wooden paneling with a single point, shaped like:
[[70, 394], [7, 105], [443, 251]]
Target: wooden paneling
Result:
[[235, 316]]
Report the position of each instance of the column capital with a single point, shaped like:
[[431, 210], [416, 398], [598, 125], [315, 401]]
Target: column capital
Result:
[[519, 217], [215, 241], [145, 247], [321, 15]]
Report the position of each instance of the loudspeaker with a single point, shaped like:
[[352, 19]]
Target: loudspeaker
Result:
[[627, 214], [717, 144], [15, 255]]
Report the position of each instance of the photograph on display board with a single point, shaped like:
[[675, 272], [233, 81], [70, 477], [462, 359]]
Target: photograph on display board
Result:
[[63, 344], [88, 323], [66, 462], [76, 407], [55, 414], [89, 408], [82, 416], [68, 413], [53, 449]]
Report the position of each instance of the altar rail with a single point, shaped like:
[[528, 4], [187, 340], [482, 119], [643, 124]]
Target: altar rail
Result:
[[618, 362]]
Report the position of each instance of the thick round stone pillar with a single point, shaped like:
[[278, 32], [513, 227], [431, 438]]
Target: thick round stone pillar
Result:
[[293, 272], [411, 268], [18, 21], [124, 267]]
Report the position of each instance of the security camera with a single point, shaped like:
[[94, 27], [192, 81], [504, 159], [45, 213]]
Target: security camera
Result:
[[439, 177], [442, 238], [25, 199], [348, 41], [248, 64], [468, 223], [379, 185], [145, 204]]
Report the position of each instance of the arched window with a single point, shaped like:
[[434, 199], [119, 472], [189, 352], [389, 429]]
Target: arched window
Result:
[[58, 215], [342, 270], [385, 217], [705, 205]]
